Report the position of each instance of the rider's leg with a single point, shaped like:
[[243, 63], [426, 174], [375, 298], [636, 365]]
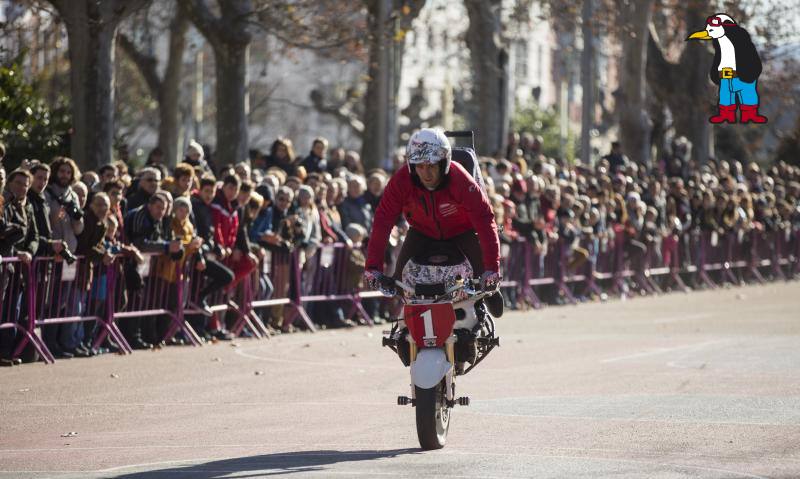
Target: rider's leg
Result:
[[469, 244], [414, 244]]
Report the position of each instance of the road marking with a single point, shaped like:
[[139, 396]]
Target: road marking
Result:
[[308, 362], [676, 319], [658, 351]]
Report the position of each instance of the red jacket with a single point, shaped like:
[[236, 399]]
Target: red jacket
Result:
[[457, 206], [226, 221]]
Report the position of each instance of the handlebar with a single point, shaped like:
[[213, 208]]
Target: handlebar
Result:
[[388, 287]]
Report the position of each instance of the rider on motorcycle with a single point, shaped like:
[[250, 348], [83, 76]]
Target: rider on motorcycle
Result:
[[440, 201]]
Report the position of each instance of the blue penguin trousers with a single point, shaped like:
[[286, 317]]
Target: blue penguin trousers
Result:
[[730, 89]]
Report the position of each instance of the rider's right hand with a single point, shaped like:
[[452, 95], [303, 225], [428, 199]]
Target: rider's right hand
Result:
[[372, 279], [375, 280]]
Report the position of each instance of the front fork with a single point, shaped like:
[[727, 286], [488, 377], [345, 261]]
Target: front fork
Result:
[[450, 351]]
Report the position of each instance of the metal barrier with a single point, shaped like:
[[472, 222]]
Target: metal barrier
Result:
[[235, 298], [151, 290], [17, 310], [81, 292], [47, 293], [282, 267], [328, 276]]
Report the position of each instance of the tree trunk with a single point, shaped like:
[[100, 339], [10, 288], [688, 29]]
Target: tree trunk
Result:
[[385, 20], [684, 86], [91, 31], [231, 89], [587, 82], [229, 36], [634, 121], [91, 56], [376, 106], [169, 93], [490, 75]]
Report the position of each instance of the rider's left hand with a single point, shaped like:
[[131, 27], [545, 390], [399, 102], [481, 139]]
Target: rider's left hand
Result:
[[490, 280]]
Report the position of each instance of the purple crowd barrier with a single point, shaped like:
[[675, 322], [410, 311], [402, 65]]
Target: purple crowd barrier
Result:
[[81, 292], [17, 310], [154, 292], [282, 268], [329, 276], [47, 293], [235, 299]]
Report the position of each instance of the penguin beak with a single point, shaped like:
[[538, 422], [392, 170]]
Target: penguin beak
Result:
[[701, 35]]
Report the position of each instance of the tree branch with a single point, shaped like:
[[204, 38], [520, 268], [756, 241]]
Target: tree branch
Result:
[[146, 64], [205, 21], [340, 112]]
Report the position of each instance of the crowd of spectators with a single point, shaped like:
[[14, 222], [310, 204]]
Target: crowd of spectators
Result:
[[227, 218], [645, 209]]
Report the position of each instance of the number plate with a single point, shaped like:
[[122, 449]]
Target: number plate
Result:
[[429, 324]]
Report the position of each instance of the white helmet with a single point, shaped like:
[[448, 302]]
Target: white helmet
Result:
[[429, 145]]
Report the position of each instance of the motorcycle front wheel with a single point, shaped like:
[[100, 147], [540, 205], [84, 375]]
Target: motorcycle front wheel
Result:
[[433, 416]]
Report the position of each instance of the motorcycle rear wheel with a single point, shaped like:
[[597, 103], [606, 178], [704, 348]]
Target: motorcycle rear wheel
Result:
[[433, 416]]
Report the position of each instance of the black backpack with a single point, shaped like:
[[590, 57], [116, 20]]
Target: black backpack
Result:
[[463, 153]]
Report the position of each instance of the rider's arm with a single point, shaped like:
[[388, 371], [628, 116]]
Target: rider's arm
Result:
[[389, 209], [476, 204]]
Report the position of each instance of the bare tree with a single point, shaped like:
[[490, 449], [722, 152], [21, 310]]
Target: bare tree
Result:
[[91, 31], [166, 89], [388, 21], [489, 56], [683, 86], [634, 121], [229, 35]]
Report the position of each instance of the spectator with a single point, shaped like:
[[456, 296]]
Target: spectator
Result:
[[155, 157], [329, 220], [225, 219], [243, 171], [67, 222], [217, 276], [183, 180], [616, 160], [376, 182], [352, 162], [107, 173], [148, 183], [315, 161], [354, 208], [40, 173], [281, 155], [195, 156], [91, 245], [114, 189], [18, 237], [278, 238], [336, 159], [144, 228], [308, 215]]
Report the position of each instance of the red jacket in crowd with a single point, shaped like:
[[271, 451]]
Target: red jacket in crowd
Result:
[[226, 221], [458, 205]]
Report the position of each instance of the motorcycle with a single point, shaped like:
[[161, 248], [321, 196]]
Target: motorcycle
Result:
[[445, 332]]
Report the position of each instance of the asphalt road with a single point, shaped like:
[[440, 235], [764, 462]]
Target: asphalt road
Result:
[[703, 385]]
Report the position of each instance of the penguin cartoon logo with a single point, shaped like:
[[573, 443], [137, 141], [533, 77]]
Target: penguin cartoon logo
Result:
[[735, 69]]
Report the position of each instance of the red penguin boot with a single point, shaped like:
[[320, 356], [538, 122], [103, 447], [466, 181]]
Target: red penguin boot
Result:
[[726, 114], [750, 113]]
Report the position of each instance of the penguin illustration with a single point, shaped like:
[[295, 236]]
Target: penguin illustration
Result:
[[735, 69]]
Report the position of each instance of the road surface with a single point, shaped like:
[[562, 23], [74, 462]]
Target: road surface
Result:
[[705, 385]]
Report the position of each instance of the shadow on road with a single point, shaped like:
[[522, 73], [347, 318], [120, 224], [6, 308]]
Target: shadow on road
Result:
[[268, 464]]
